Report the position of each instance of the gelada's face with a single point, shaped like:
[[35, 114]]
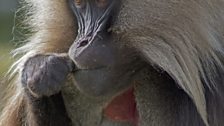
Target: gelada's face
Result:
[[103, 65]]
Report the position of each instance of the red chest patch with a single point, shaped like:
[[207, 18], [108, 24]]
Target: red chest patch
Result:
[[123, 108]]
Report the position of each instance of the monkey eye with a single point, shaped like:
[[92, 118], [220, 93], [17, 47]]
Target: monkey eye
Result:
[[102, 3]]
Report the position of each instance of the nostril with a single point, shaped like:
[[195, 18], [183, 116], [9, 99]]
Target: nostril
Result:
[[83, 43]]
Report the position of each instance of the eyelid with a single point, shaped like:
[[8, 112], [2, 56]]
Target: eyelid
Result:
[[102, 3], [78, 2]]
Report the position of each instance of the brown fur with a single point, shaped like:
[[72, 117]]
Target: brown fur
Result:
[[54, 31], [184, 38]]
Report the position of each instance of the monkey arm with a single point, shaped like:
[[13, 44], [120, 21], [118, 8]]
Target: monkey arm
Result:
[[42, 79], [46, 111]]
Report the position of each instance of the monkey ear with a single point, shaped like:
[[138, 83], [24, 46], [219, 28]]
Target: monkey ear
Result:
[[178, 64]]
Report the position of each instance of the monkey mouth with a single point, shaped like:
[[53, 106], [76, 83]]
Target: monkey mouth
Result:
[[123, 108], [75, 69]]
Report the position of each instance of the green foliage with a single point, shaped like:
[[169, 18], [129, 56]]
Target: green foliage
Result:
[[6, 26]]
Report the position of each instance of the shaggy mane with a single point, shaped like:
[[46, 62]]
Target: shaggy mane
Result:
[[190, 51]]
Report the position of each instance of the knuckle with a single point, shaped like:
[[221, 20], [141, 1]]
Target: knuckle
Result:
[[42, 74], [30, 81]]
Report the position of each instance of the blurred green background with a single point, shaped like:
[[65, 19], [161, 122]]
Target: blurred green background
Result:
[[7, 12]]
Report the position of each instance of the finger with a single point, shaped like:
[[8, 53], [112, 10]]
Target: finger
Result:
[[34, 83]]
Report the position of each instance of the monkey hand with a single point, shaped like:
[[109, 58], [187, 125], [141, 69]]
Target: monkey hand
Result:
[[43, 75]]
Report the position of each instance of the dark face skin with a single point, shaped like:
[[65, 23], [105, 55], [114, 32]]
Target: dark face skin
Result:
[[103, 65]]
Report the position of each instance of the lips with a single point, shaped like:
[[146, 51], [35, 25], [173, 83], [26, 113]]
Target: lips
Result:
[[89, 69]]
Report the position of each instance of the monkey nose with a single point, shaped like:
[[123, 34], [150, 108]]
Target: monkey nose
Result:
[[71, 63], [83, 43], [76, 49]]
